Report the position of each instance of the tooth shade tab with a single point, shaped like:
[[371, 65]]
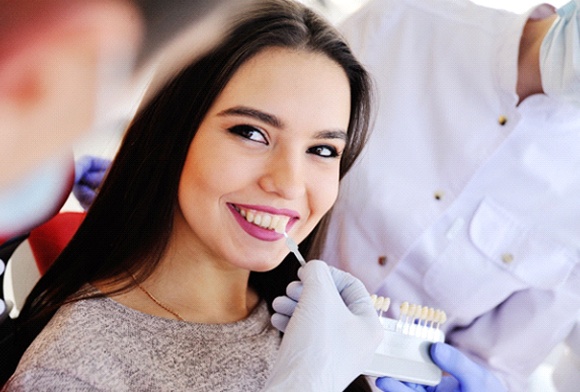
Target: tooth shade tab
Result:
[[414, 320]]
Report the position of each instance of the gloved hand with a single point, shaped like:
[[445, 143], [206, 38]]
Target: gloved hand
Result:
[[89, 173], [331, 331], [465, 375]]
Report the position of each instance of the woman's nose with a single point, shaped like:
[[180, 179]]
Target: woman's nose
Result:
[[285, 176]]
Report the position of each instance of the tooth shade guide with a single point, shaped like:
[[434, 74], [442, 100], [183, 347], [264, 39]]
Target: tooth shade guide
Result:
[[404, 352], [386, 304], [431, 315], [413, 320], [381, 304]]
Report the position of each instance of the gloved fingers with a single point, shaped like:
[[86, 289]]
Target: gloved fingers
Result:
[[319, 273], [387, 384], [93, 179], [319, 287], [469, 374], [447, 384], [353, 292], [97, 163], [284, 305], [330, 285], [82, 165], [294, 290], [85, 195], [100, 164], [89, 163], [451, 360], [313, 270], [280, 321]]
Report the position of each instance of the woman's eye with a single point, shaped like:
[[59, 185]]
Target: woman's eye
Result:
[[249, 132], [324, 151]]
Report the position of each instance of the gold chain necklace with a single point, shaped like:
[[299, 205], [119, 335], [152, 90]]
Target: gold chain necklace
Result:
[[159, 303]]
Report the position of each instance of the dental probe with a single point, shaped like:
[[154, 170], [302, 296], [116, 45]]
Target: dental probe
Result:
[[294, 249], [280, 227]]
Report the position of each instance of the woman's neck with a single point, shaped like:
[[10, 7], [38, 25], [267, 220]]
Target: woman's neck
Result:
[[202, 291], [190, 285]]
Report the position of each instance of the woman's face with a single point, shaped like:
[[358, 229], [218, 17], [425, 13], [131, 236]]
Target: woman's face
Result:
[[266, 155]]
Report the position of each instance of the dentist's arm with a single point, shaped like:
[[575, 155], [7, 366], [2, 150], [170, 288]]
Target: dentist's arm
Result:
[[331, 331]]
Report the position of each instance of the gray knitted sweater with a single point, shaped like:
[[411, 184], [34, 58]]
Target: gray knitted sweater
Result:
[[101, 345]]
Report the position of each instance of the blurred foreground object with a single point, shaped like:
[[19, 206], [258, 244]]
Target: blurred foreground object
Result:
[[65, 63]]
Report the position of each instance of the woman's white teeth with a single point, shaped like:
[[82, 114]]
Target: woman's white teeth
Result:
[[275, 220], [267, 221]]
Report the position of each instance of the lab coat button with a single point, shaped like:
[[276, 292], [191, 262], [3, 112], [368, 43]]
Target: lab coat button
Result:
[[382, 260], [507, 258], [438, 195], [502, 120]]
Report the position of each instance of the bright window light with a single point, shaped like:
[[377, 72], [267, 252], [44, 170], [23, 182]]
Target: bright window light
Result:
[[337, 10], [517, 5]]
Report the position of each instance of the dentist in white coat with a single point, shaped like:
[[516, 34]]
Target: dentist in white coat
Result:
[[467, 197]]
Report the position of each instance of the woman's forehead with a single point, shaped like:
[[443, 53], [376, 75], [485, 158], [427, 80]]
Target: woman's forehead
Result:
[[289, 83]]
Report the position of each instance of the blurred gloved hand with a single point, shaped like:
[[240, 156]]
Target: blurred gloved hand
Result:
[[89, 173], [331, 331], [465, 375]]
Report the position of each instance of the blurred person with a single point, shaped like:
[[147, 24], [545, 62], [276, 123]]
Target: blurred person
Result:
[[64, 66]]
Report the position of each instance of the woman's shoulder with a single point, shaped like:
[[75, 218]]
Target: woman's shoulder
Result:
[[74, 323], [67, 351]]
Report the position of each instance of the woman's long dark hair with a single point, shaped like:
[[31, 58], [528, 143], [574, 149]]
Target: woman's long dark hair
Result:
[[126, 230]]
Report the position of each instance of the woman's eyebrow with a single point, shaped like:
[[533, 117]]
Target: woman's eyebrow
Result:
[[269, 119], [274, 121], [332, 134]]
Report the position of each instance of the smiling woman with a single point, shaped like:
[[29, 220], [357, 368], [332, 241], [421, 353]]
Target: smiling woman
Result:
[[179, 257], [276, 140]]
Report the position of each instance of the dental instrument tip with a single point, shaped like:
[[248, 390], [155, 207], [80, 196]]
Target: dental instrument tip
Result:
[[294, 248]]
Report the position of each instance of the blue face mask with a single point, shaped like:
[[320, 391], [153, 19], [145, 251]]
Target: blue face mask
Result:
[[37, 197], [560, 56]]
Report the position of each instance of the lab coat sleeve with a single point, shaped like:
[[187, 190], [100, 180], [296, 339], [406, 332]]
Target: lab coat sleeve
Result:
[[530, 318]]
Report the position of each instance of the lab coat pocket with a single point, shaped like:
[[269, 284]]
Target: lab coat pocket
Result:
[[525, 253], [497, 256]]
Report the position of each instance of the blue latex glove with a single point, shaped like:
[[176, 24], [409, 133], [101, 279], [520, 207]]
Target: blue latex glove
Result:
[[331, 331], [89, 173], [465, 375]]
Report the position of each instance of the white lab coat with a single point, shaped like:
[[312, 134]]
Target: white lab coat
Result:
[[463, 200]]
